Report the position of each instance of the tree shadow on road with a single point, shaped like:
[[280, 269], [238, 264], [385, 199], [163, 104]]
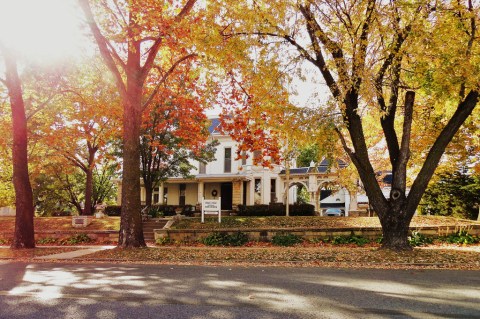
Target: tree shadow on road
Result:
[[123, 291]]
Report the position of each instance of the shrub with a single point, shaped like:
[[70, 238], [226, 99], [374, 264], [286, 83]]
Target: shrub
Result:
[[352, 239], [225, 239], [255, 210], [46, 241], [276, 209], [419, 239], [3, 241], [76, 239], [163, 241], [155, 211], [238, 239], [302, 210], [113, 210], [461, 237], [62, 213], [282, 239]]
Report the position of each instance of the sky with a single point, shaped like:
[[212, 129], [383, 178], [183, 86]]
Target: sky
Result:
[[49, 31], [45, 30]]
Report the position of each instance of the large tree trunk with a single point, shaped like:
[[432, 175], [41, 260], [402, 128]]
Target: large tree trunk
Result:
[[131, 227], [87, 210], [24, 236], [395, 227]]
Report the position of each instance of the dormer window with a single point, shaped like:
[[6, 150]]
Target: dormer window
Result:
[[257, 156], [244, 158], [202, 168], [228, 160]]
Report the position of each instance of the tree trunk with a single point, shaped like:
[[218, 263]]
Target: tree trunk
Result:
[[148, 193], [395, 227], [88, 210], [131, 227], [24, 236]]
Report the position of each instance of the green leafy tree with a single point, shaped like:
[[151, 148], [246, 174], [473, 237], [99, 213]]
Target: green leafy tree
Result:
[[452, 194]]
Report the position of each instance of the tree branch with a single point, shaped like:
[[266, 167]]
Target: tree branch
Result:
[[313, 30], [332, 46], [165, 76], [358, 63], [103, 45], [185, 10], [388, 119], [400, 169], [152, 55], [468, 52], [464, 109]]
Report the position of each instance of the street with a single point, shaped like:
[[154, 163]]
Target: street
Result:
[[77, 291]]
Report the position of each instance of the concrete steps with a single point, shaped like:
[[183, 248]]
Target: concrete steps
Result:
[[150, 225]]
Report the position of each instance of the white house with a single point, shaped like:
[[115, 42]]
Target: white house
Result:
[[235, 181], [239, 182]]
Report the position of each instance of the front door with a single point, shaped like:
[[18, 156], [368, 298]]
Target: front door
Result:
[[226, 194], [183, 190]]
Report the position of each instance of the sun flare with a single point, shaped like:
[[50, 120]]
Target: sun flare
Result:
[[41, 30]]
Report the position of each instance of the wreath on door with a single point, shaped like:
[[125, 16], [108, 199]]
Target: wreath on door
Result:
[[214, 193]]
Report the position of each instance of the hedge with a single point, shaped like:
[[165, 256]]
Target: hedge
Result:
[[153, 211], [276, 209]]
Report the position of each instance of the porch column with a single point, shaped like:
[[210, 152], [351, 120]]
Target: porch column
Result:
[[266, 189], [236, 194], [119, 194], [313, 199], [251, 191], [201, 188], [160, 194], [316, 196]]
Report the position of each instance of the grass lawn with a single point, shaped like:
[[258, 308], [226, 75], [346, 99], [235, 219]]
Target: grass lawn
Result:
[[312, 222], [113, 223]]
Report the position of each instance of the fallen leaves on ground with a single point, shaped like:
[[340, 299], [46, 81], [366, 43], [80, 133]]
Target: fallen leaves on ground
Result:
[[345, 257], [31, 253]]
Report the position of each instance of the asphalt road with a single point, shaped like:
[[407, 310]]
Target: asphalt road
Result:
[[78, 291]]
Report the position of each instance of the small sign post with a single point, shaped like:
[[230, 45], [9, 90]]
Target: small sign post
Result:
[[211, 207]]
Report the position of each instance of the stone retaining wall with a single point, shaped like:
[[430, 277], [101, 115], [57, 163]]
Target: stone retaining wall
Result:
[[192, 235], [100, 236]]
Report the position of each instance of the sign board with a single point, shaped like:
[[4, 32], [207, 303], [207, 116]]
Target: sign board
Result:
[[81, 221], [211, 207]]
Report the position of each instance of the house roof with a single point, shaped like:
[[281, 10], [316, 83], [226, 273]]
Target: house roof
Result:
[[214, 126], [321, 168]]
